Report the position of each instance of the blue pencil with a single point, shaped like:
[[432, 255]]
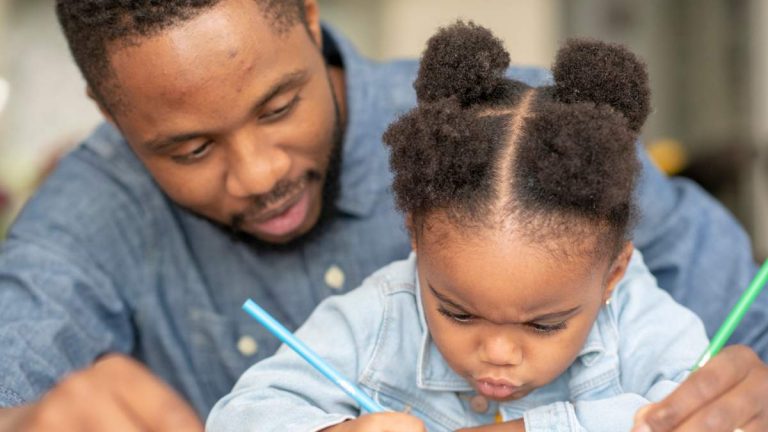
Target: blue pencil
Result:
[[282, 333]]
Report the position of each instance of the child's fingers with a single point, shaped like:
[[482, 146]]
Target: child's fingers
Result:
[[391, 422]]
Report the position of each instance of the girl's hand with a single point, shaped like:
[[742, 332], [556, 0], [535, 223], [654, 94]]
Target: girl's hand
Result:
[[381, 422], [727, 394], [508, 426]]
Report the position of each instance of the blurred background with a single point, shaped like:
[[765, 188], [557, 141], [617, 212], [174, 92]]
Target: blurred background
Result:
[[707, 61]]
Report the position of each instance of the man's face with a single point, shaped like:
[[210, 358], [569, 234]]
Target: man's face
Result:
[[234, 120]]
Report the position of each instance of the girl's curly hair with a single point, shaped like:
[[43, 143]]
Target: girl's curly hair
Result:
[[558, 160]]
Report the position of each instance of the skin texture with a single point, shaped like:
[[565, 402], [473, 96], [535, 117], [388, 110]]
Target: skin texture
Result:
[[198, 107], [500, 308], [728, 392]]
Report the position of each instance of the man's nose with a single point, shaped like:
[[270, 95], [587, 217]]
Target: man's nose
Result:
[[254, 167]]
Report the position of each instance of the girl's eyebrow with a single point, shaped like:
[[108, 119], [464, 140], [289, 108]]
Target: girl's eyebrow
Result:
[[445, 299], [544, 317], [556, 315]]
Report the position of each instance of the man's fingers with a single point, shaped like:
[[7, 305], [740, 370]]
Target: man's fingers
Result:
[[743, 404], [151, 402], [733, 409], [757, 424], [719, 376]]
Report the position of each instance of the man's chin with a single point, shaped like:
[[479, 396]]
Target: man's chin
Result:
[[275, 239]]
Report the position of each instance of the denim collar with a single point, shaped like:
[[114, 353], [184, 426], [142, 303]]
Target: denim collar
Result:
[[433, 372], [357, 182]]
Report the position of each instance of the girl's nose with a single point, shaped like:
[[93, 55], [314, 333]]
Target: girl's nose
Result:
[[502, 350]]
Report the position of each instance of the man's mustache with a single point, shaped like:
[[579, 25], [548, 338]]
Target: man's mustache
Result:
[[283, 189]]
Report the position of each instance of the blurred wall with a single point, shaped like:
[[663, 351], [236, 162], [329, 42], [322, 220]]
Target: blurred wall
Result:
[[400, 28], [47, 109]]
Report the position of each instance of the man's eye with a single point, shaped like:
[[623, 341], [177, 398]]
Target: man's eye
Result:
[[547, 329], [461, 318], [197, 153], [280, 112]]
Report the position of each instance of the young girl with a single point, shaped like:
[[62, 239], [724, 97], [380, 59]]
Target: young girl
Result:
[[524, 302]]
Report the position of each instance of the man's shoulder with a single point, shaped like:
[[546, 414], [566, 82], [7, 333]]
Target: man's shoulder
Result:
[[99, 183]]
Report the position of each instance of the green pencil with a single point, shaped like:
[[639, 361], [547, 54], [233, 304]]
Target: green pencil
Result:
[[734, 318]]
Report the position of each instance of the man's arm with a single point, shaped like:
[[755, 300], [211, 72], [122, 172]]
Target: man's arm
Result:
[[63, 306]]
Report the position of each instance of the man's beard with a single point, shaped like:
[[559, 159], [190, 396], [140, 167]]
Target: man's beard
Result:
[[330, 192]]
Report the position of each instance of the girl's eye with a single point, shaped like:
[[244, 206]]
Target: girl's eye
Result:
[[195, 154], [461, 318], [280, 112], [547, 329]]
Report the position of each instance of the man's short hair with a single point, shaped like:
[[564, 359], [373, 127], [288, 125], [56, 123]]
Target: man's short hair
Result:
[[90, 26]]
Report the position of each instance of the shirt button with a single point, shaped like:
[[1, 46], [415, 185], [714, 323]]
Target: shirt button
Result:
[[334, 277], [247, 346], [478, 403]]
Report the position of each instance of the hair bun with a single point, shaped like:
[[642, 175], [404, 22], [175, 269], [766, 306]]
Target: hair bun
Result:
[[465, 61], [603, 73]]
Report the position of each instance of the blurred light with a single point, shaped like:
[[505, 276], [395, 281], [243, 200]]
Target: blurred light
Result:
[[5, 91]]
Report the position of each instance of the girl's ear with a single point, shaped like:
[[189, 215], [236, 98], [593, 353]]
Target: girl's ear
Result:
[[618, 268]]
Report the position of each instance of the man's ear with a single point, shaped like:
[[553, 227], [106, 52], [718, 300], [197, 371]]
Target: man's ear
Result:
[[312, 16], [617, 270], [104, 111]]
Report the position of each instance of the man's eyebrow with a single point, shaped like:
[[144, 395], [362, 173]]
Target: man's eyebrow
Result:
[[287, 81], [160, 144], [445, 299]]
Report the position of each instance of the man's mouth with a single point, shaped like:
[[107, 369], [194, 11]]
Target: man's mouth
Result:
[[281, 219]]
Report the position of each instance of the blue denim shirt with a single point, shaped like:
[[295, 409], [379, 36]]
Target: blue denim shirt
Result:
[[100, 260], [639, 348]]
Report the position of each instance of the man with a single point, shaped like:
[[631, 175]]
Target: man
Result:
[[242, 158]]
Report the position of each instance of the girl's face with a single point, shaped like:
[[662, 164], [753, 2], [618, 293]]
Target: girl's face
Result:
[[507, 315]]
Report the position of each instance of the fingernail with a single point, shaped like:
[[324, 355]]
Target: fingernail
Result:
[[642, 428]]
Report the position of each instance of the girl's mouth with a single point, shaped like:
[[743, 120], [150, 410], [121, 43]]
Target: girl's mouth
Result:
[[496, 388]]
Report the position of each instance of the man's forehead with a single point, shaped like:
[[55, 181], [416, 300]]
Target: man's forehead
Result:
[[233, 36]]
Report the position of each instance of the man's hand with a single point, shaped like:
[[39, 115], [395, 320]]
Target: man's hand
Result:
[[380, 422], [728, 393], [115, 394]]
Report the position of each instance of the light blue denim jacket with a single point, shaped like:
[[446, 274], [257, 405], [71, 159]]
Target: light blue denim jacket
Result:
[[639, 348], [100, 260]]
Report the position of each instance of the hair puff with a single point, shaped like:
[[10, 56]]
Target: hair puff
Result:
[[465, 61], [603, 73]]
